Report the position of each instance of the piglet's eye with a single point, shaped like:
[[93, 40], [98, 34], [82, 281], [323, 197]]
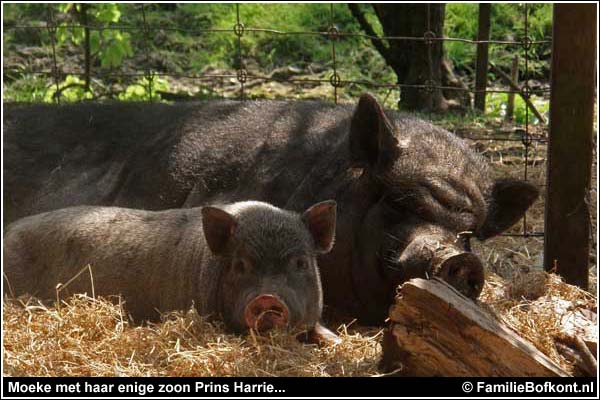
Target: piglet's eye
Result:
[[241, 266], [301, 263]]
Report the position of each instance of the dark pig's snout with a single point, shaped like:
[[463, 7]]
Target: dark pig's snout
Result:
[[464, 271], [438, 255], [266, 312]]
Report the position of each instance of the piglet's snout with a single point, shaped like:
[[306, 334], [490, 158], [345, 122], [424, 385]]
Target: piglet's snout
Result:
[[266, 312]]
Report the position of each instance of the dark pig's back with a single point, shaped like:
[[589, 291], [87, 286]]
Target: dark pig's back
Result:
[[158, 156]]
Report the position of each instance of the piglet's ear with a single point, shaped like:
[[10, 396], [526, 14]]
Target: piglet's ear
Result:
[[219, 227], [320, 221], [507, 204], [372, 139]]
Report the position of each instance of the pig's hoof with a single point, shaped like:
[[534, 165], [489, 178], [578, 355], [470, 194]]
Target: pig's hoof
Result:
[[320, 336]]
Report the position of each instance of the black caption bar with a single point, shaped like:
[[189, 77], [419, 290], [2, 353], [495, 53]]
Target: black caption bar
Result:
[[298, 387]]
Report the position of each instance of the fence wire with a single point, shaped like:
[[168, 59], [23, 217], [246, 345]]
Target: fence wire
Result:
[[333, 34]]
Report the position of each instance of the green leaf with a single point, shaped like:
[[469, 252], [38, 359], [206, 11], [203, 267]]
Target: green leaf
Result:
[[74, 90], [94, 41], [110, 57], [64, 7], [77, 35], [61, 35], [108, 13]]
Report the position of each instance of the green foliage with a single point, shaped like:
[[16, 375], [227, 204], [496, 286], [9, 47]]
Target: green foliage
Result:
[[180, 46], [72, 89], [268, 49], [108, 45], [461, 22], [507, 23], [27, 89], [496, 104], [144, 89], [112, 47]]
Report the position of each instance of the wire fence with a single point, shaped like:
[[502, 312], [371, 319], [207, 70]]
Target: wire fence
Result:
[[335, 80]]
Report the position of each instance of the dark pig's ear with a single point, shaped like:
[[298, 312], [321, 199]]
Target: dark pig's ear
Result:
[[372, 139], [320, 221], [218, 227], [508, 202]]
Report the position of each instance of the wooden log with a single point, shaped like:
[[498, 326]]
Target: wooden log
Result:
[[578, 354], [576, 323], [436, 331]]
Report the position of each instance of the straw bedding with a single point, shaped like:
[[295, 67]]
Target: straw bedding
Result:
[[93, 337], [541, 308], [89, 336]]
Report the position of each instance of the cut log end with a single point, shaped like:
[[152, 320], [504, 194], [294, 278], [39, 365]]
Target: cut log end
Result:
[[436, 331]]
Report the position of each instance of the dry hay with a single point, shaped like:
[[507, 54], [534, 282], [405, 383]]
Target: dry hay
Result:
[[92, 337], [543, 309]]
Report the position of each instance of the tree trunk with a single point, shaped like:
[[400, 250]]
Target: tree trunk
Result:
[[416, 62], [459, 98]]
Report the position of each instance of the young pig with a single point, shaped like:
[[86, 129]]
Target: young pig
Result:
[[250, 263]]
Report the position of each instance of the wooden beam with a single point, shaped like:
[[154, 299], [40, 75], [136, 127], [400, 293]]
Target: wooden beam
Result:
[[436, 331], [514, 77], [514, 86], [483, 33], [567, 218]]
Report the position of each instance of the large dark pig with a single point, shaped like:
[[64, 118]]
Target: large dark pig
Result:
[[250, 262], [405, 188]]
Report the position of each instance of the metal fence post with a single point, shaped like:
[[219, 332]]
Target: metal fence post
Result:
[[567, 218]]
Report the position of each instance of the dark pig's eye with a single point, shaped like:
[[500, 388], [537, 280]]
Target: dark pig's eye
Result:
[[392, 207], [241, 266], [301, 263]]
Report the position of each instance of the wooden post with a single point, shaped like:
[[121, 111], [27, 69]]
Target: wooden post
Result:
[[483, 33], [514, 76], [567, 226]]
